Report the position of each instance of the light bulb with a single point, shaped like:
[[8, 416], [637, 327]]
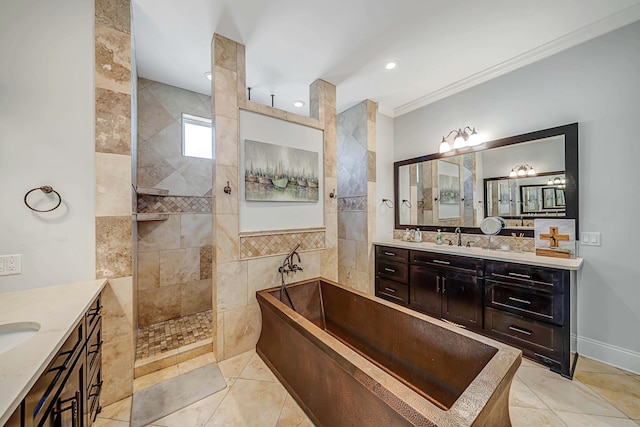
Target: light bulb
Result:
[[298, 104], [512, 174], [531, 172], [444, 146], [474, 138], [459, 141], [390, 65]]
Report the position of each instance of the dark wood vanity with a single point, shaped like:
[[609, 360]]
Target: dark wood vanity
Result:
[[67, 394], [523, 305]]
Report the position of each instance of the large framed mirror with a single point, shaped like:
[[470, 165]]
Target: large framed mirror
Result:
[[462, 187]]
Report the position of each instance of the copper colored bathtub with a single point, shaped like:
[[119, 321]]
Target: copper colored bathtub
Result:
[[354, 360]]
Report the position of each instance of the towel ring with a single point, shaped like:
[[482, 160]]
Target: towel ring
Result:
[[45, 189]]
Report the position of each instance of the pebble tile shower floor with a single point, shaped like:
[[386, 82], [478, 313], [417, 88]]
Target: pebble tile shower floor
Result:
[[171, 334]]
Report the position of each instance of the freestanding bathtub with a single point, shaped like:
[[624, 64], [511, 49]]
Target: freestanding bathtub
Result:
[[354, 360]]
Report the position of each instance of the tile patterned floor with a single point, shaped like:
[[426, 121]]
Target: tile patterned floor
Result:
[[165, 336], [599, 396]]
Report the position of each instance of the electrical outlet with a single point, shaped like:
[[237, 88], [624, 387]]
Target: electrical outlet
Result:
[[589, 238], [10, 264]]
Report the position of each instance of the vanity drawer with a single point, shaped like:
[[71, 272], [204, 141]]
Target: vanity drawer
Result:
[[543, 278], [531, 303], [392, 270], [541, 338], [392, 254], [393, 291], [443, 260]]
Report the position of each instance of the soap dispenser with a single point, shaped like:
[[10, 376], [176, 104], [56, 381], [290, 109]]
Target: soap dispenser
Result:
[[439, 238], [418, 236]]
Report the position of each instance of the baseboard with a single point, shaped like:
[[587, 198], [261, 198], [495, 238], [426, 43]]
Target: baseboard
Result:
[[609, 354]]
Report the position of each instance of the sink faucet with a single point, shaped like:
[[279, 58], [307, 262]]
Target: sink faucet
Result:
[[459, 234]]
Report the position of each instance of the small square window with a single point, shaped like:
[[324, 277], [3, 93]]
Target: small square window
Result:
[[196, 137]]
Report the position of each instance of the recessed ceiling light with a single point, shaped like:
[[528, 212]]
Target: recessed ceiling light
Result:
[[390, 65], [208, 75], [298, 104]]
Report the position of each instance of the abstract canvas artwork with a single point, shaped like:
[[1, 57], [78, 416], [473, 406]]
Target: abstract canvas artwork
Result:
[[278, 173]]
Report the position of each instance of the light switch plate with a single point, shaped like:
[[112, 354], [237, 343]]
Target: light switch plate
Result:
[[590, 238]]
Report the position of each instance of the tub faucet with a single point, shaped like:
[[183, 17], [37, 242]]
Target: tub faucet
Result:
[[289, 266], [459, 234]]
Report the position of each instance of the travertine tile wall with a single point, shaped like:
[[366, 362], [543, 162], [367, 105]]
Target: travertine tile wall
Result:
[[113, 88], [237, 273], [174, 256], [356, 194]]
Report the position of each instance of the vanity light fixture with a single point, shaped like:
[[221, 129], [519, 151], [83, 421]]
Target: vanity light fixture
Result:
[[520, 171], [461, 139], [558, 181], [298, 104], [208, 75], [391, 65]]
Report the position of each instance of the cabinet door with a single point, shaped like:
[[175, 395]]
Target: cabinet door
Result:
[[462, 298], [68, 408], [425, 290]]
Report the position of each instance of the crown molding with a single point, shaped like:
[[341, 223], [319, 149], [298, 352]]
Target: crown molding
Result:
[[598, 28]]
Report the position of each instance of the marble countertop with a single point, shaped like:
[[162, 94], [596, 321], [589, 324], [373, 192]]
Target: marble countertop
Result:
[[57, 309], [518, 257]]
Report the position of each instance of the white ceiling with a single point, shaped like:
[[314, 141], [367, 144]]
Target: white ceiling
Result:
[[441, 46]]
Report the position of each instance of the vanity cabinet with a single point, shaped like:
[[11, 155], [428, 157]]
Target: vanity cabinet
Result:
[[67, 393], [447, 287], [528, 307], [522, 305]]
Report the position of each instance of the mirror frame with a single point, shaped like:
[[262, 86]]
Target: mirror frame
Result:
[[570, 133]]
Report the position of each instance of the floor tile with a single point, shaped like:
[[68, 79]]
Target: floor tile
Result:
[[257, 370], [155, 378], [250, 403], [195, 415], [233, 367], [583, 420], [292, 415], [106, 422], [528, 417], [522, 396], [120, 410], [191, 364], [621, 391], [589, 365], [561, 394]]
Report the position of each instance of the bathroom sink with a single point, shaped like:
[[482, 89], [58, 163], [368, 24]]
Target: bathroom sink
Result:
[[14, 334]]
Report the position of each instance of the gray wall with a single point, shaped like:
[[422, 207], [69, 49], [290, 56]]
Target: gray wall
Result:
[[47, 138], [598, 85]]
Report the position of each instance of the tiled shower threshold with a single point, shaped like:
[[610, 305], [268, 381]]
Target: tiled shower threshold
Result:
[[173, 341]]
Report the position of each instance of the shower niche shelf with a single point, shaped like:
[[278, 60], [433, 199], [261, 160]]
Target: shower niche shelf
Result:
[[144, 217]]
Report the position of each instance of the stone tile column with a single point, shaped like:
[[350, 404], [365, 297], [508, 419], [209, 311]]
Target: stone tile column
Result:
[[356, 195], [323, 107], [113, 86]]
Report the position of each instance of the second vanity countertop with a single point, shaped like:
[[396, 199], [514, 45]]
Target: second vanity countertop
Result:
[[528, 258], [57, 309]]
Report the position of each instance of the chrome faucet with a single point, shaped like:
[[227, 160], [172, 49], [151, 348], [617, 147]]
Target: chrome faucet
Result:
[[459, 234]]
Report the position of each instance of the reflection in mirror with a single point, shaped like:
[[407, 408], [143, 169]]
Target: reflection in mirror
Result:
[[460, 190], [524, 197]]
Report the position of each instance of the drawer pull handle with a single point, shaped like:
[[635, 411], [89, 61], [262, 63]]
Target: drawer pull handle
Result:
[[444, 283], [390, 290], [522, 331], [523, 301], [523, 276], [75, 400], [68, 360], [390, 270], [437, 261], [390, 254], [97, 346]]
